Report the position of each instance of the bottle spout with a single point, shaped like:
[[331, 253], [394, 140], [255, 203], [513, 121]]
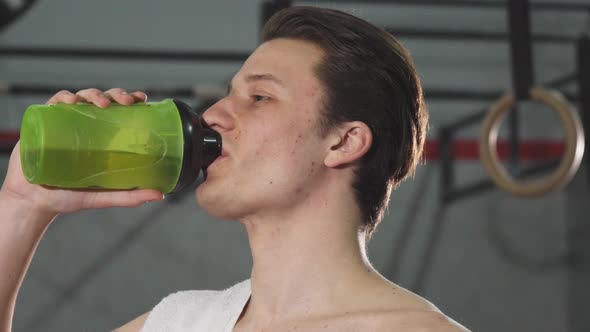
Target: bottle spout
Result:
[[202, 146], [211, 146]]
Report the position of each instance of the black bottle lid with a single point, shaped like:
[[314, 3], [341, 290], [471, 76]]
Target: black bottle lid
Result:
[[201, 146]]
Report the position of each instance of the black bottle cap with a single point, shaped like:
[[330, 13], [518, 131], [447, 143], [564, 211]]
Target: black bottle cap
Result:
[[201, 146]]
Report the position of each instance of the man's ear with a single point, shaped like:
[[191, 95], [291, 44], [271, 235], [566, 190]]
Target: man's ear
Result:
[[349, 142]]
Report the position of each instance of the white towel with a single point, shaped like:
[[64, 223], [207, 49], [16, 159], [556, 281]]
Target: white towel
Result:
[[195, 311]]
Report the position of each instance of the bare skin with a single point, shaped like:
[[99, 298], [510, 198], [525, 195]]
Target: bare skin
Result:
[[288, 186]]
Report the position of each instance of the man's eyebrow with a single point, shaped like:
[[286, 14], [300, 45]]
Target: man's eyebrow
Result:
[[258, 77]]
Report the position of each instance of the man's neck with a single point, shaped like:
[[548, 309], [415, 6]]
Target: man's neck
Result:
[[303, 261]]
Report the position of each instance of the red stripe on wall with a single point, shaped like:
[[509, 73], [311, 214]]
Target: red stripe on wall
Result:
[[468, 149], [9, 137]]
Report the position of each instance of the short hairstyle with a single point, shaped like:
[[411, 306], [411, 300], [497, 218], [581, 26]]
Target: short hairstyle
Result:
[[367, 76]]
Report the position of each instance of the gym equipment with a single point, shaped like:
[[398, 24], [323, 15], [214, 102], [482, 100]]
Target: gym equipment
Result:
[[10, 11], [569, 163]]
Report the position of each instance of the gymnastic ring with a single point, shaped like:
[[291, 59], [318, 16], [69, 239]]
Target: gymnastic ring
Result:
[[570, 162]]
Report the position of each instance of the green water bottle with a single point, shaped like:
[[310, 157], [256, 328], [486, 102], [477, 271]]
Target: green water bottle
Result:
[[156, 145]]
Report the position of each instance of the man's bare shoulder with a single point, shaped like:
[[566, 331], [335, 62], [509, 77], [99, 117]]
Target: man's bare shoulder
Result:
[[418, 321], [398, 320], [402, 310]]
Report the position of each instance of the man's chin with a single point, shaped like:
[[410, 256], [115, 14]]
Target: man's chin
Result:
[[218, 212], [213, 206]]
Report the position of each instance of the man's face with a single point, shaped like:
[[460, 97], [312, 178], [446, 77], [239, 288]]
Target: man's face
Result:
[[268, 123]]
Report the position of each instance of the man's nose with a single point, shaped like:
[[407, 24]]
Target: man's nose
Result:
[[218, 117]]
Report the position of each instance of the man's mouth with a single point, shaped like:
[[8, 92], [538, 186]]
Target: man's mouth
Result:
[[206, 170], [222, 156]]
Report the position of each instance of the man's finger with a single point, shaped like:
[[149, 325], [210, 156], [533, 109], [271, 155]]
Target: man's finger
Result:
[[139, 96], [95, 97], [63, 96], [128, 198], [120, 96]]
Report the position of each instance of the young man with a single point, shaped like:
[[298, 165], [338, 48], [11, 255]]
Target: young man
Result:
[[318, 126]]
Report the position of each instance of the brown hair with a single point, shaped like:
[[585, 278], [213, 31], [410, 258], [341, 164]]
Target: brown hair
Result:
[[368, 76]]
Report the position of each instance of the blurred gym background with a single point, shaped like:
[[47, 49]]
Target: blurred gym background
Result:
[[491, 260]]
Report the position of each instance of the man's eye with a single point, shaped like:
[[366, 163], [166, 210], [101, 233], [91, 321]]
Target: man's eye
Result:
[[259, 98]]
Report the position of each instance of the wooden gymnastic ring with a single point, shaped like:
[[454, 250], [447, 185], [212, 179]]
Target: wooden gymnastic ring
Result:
[[571, 159]]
